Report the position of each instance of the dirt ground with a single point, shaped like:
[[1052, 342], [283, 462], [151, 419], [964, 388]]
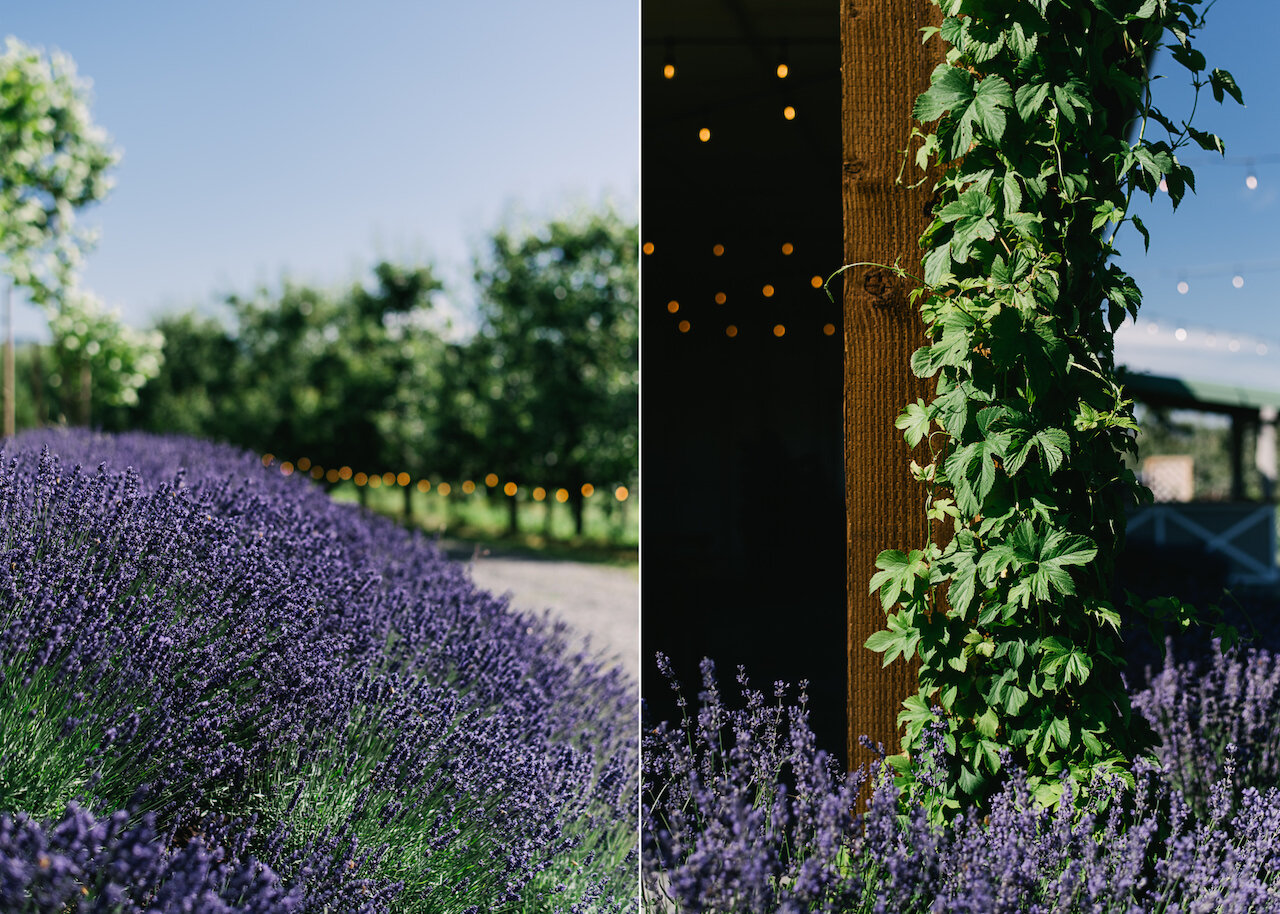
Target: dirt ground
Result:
[[600, 601]]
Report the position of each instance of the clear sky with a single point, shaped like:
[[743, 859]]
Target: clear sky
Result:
[[1224, 241], [309, 138]]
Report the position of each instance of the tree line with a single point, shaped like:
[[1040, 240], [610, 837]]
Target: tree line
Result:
[[544, 392]]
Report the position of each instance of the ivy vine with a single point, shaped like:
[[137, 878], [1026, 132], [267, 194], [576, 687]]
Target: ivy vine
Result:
[[1046, 127]]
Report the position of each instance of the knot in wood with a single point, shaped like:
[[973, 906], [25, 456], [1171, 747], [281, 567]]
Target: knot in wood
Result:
[[880, 286]]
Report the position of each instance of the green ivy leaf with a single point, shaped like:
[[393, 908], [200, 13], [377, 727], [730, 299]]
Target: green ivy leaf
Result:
[[1221, 81], [951, 88]]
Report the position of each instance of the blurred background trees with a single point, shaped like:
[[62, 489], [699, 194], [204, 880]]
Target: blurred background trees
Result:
[[540, 397]]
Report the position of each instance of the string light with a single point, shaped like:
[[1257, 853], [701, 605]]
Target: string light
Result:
[[510, 489], [789, 113], [621, 493], [388, 478], [375, 482], [718, 250], [1250, 178], [767, 291], [331, 476], [683, 326], [1183, 287], [491, 480], [344, 473], [731, 331], [779, 330], [286, 468], [539, 493], [317, 472], [444, 488], [360, 479], [1237, 281], [562, 495], [304, 464], [704, 134], [787, 248], [673, 306], [721, 298], [829, 329], [588, 490], [267, 458], [647, 247], [402, 479], [424, 485], [815, 281], [669, 70]]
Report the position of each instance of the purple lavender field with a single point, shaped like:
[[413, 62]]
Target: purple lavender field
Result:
[[221, 692], [742, 812]]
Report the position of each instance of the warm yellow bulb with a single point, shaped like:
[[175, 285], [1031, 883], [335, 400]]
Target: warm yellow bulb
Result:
[[816, 282], [829, 329], [344, 473], [788, 247], [317, 472], [267, 458], [704, 134], [388, 478], [402, 479], [731, 331], [304, 464], [767, 291], [444, 488], [721, 298], [331, 476], [684, 326], [424, 485], [491, 480], [669, 71], [539, 494], [468, 487], [286, 468], [621, 493], [588, 490], [789, 113], [648, 247], [783, 70], [779, 330], [718, 250], [673, 306], [562, 495], [360, 479], [509, 488]]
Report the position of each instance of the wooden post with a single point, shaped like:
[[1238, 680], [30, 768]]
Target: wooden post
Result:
[[9, 385], [885, 68]]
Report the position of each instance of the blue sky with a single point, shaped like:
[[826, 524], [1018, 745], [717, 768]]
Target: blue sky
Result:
[[310, 138], [1225, 230]]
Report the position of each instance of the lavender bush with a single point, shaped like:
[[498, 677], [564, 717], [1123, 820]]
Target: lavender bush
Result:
[[189, 640], [742, 814]]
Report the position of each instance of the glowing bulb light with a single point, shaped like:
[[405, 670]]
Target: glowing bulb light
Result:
[[704, 134], [789, 113]]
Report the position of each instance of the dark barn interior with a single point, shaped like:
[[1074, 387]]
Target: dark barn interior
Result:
[[743, 536]]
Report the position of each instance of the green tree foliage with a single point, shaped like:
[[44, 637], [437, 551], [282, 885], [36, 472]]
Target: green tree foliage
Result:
[[53, 161], [99, 362], [1046, 128], [558, 345]]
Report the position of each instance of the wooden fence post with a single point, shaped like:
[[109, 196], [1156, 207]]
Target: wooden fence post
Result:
[[884, 67]]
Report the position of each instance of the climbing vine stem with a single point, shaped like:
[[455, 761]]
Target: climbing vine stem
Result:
[[1009, 614]]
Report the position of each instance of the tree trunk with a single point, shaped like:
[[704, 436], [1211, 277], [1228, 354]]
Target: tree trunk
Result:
[[37, 386], [86, 392], [577, 503], [884, 68], [513, 516], [408, 503]]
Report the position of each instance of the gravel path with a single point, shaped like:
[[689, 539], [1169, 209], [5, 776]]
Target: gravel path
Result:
[[600, 601]]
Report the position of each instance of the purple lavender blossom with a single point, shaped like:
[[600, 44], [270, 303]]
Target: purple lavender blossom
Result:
[[183, 620], [742, 813]]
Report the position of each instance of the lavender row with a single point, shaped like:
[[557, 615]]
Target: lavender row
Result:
[[742, 812], [187, 636]]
